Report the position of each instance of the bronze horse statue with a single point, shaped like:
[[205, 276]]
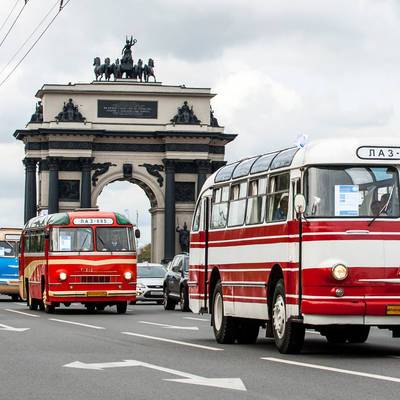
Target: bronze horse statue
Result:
[[149, 70], [102, 69]]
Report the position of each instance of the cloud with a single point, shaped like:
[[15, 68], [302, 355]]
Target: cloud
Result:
[[280, 68]]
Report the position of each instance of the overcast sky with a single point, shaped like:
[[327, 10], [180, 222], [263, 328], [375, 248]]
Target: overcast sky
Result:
[[280, 68]]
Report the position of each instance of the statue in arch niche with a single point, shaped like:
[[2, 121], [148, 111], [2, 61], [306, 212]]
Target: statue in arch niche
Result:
[[184, 235]]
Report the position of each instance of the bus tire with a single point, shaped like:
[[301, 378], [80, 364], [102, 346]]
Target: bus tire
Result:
[[247, 331], [289, 336], [169, 304], [15, 297], [47, 308], [31, 303], [224, 327], [359, 334], [121, 307], [184, 299], [336, 334], [91, 308]]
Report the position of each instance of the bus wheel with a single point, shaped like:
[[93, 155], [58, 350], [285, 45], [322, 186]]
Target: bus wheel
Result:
[[336, 334], [15, 297], [169, 304], [47, 308], [121, 307], [289, 336], [247, 331], [359, 334], [91, 308], [33, 303], [224, 327], [184, 300], [100, 307]]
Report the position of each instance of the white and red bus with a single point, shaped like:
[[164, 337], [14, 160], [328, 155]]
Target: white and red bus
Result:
[[336, 269], [86, 257]]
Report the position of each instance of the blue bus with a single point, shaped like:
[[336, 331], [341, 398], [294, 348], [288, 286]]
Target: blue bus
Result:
[[9, 240]]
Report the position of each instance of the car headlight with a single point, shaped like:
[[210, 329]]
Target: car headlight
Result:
[[340, 272], [140, 286], [63, 276], [128, 275]]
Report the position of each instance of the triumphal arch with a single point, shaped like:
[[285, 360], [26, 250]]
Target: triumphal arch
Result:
[[84, 136]]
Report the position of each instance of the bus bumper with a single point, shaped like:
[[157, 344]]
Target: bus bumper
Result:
[[374, 312], [9, 287], [91, 295]]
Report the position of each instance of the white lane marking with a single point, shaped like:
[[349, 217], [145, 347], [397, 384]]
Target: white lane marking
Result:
[[11, 329], [76, 323], [224, 383], [21, 312], [188, 328], [199, 346], [197, 319], [338, 370]]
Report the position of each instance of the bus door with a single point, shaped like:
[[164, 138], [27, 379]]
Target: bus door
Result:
[[202, 259]]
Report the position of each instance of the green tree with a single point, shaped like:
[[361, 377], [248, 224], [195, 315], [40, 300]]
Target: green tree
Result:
[[145, 253]]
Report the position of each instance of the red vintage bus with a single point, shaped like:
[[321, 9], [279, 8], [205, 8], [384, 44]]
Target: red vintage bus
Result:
[[86, 257], [254, 262]]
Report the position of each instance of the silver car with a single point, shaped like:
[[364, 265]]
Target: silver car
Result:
[[150, 278]]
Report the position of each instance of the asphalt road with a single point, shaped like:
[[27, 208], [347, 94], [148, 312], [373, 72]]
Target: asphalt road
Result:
[[150, 353]]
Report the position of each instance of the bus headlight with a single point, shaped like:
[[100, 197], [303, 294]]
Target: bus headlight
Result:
[[63, 276], [128, 275], [340, 272]]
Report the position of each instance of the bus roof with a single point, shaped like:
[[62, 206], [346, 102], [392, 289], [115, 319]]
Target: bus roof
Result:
[[78, 218], [342, 151], [9, 233]]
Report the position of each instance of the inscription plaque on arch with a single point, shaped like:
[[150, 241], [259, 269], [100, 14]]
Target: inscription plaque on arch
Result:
[[127, 109]]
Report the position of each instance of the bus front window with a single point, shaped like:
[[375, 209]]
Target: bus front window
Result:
[[7, 249], [71, 239], [114, 239], [352, 192]]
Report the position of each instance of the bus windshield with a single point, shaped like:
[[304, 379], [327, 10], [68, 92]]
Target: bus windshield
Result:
[[7, 249], [71, 239], [352, 192], [114, 239]]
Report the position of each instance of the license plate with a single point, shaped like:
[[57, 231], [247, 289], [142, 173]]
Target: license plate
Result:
[[156, 293], [393, 310], [96, 294]]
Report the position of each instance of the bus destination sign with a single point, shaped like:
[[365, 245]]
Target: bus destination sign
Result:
[[93, 221], [378, 153]]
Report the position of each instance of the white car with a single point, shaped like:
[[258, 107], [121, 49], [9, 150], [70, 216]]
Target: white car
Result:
[[150, 278]]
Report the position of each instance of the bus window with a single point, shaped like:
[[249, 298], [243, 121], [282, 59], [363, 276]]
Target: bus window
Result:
[[219, 210], [196, 219], [71, 239], [278, 198], [352, 192], [7, 249], [237, 205], [113, 239], [256, 201]]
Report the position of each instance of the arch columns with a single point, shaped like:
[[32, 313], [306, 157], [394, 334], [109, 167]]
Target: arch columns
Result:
[[30, 207], [169, 220]]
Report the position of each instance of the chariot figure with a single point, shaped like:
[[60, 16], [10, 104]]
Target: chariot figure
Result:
[[127, 52]]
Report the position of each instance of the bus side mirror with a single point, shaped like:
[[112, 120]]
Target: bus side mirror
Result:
[[300, 204], [137, 233]]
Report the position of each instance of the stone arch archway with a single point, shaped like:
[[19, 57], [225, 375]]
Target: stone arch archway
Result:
[[164, 138], [157, 210]]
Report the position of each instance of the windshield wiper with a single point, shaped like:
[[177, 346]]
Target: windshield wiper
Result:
[[383, 209], [87, 235]]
